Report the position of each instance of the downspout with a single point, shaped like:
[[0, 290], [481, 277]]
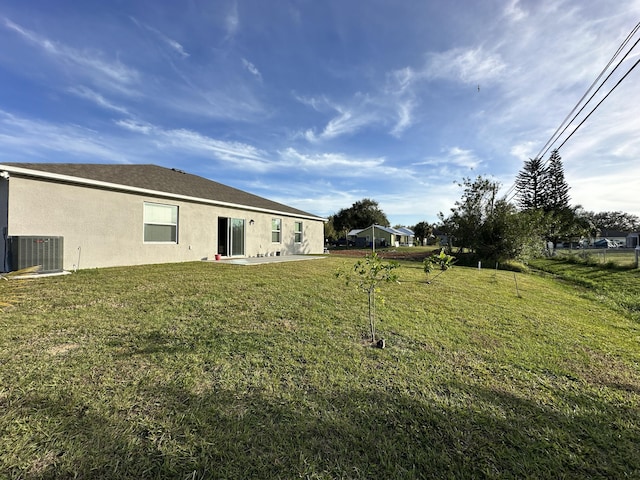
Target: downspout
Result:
[[5, 229]]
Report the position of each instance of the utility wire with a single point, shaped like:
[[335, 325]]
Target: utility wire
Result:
[[560, 130], [599, 103], [549, 145], [553, 138]]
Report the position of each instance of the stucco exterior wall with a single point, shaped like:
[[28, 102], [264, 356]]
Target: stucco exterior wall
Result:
[[103, 228]]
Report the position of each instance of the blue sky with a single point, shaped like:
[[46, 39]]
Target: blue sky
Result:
[[318, 104]]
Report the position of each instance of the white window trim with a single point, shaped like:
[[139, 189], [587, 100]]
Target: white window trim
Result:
[[279, 230], [298, 232], [145, 222]]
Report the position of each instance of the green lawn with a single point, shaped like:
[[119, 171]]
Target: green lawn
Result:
[[205, 370], [624, 257]]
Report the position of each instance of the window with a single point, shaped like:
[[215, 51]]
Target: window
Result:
[[276, 229], [297, 232], [160, 223]]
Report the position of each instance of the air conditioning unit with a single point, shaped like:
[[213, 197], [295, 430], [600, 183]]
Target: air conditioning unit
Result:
[[29, 251]]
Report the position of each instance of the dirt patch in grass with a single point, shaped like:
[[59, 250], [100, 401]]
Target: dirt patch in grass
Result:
[[405, 255], [62, 349]]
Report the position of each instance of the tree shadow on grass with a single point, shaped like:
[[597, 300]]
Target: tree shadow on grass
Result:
[[461, 431]]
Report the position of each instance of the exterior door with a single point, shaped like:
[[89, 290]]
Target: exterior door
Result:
[[231, 232]]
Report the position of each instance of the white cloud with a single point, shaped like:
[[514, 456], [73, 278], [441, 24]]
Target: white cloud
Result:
[[398, 81], [89, 63], [237, 153], [134, 126], [454, 157], [514, 12], [467, 65], [404, 113], [17, 136], [347, 122], [232, 22], [524, 151], [252, 69], [328, 160], [97, 98], [338, 165], [170, 42], [319, 104]]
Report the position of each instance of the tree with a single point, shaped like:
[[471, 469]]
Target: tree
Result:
[[620, 221], [507, 233], [330, 233], [564, 224], [489, 226], [422, 231], [361, 214], [544, 190], [556, 189], [440, 260], [368, 274], [466, 219], [530, 184]]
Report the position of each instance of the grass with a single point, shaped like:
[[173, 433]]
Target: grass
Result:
[[203, 370], [605, 257], [614, 284]]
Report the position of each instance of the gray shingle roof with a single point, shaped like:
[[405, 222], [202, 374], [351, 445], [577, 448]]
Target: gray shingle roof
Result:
[[167, 180]]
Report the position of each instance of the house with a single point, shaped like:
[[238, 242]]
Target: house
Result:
[[384, 236], [96, 215], [439, 237]]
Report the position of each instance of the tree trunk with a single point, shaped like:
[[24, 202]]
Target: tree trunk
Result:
[[372, 314]]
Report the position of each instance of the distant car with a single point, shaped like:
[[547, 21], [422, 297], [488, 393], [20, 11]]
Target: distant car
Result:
[[341, 242], [605, 243]]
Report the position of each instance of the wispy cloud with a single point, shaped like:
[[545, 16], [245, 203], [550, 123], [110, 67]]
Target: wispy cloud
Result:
[[328, 160], [467, 65], [252, 69], [98, 99], [454, 163], [54, 141], [90, 63], [135, 126], [153, 143], [338, 165], [237, 153], [350, 119], [514, 12], [170, 42], [232, 21]]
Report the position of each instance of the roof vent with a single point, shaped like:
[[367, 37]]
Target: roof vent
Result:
[[177, 170]]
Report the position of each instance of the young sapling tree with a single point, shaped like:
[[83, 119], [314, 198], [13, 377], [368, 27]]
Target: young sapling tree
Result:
[[440, 261], [367, 275]]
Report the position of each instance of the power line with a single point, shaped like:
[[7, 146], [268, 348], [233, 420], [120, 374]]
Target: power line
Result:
[[553, 138], [599, 103], [548, 146], [513, 190]]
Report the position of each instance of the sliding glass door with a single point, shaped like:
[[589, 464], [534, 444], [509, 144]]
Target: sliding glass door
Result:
[[236, 234], [231, 233]]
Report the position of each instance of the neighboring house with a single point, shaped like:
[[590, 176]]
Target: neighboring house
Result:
[[440, 237], [97, 215], [384, 236], [407, 236]]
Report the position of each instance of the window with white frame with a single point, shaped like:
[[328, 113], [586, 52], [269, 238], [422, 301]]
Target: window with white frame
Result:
[[276, 230], [297, 232], [160, 223]]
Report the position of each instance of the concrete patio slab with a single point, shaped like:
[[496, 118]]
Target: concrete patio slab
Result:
[[263, 260]]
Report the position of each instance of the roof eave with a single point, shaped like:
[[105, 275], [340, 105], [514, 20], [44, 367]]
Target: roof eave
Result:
[[27, 172]]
